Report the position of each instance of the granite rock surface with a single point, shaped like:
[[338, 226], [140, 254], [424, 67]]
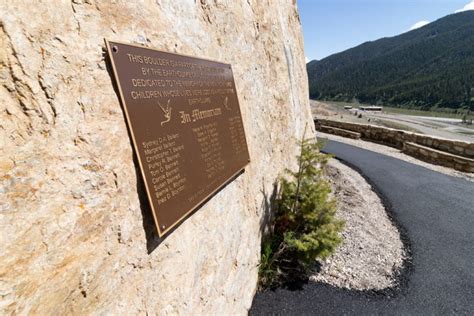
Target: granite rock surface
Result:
[[76, 231]]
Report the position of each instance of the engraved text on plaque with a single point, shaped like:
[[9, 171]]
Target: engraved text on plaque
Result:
[[185, 121]]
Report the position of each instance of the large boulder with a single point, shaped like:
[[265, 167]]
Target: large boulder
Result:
[[77, 235]]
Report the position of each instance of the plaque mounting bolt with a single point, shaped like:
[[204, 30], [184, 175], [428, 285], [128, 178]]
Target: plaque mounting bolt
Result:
[[115, 49], [163, 226]]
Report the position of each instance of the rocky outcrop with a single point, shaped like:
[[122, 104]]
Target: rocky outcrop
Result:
[[77, 235]]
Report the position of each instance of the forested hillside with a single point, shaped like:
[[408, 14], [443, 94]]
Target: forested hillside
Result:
[[429, 68]]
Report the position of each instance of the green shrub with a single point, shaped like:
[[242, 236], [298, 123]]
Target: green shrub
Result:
[[304, 226]]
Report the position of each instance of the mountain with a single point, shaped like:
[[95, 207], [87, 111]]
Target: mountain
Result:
[[428, 68]]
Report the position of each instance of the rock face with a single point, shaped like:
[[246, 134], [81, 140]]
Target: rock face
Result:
[[76, 229]]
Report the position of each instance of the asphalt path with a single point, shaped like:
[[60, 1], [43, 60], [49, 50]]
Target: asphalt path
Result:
[[435, 213]]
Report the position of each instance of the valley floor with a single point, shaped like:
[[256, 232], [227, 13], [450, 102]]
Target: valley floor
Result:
[[450, 128]]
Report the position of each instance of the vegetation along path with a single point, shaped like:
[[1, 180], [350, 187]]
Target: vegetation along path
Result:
[[436, 213]]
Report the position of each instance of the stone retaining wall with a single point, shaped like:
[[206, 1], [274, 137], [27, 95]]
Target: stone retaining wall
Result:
[[396, 138], [450, 153], [439, 157], [339, 131]]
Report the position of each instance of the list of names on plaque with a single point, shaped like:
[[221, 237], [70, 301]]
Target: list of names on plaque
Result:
[[208, 139], [237, 134], [186, 126], [163, 157]]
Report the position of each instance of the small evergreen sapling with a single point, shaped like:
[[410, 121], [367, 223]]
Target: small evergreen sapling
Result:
[[304, 224]]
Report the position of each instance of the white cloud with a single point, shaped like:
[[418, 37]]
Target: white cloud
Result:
[[467, 7], [307, 60], [419, 24]]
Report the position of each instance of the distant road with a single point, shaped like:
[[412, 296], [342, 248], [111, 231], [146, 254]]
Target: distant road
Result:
[[437, 212]]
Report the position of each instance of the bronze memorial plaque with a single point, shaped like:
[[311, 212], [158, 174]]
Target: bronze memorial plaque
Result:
[[185, 121]]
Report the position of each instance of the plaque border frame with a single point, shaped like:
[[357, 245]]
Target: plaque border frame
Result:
[[163, 232]]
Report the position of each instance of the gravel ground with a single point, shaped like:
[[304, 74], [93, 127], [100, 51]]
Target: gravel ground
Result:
[[393, 152], [372, 251]]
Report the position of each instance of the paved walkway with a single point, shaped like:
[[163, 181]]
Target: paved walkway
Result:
[[437, 213]]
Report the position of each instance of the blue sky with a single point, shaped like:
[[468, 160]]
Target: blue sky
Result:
[[331, 26]]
